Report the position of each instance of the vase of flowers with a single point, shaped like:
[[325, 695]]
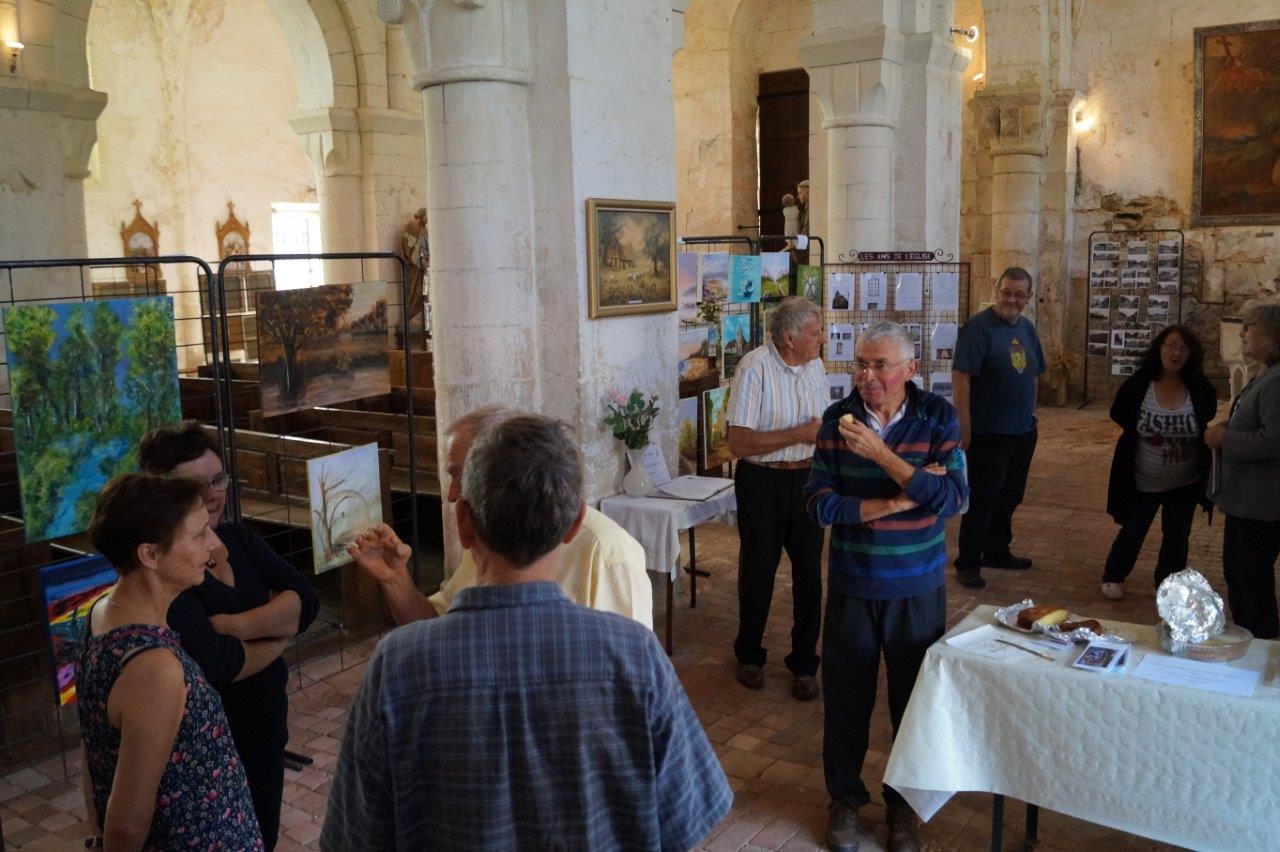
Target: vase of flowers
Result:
[[630, 419]]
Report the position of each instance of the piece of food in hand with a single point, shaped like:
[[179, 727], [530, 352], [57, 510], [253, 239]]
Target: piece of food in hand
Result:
[[1042, 616], [1089, 623], [846, 419]]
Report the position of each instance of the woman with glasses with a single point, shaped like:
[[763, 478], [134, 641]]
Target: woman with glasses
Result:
[[1249, 493], [238, 621], [1161, 462]]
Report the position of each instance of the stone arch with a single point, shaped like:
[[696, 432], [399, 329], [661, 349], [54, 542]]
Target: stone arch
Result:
[[320, 45]]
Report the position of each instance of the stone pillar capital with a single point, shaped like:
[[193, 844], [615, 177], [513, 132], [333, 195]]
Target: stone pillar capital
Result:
[[331, 140], [1012, 119], [856, 75], [461, 41]]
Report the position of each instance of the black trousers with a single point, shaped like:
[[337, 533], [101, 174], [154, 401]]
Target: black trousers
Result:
[[1249, 551], [771, 518], [858, 631], [1177, 508], [998, 467], [260, 739]]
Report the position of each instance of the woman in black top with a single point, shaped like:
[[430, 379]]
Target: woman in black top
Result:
[[1161, 461], [237, 623]]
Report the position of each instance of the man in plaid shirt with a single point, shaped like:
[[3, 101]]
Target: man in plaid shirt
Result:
[[519, 718]]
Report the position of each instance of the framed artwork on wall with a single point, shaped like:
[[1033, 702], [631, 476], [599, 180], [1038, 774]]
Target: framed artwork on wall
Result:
[[1236, 177], [631, 257]]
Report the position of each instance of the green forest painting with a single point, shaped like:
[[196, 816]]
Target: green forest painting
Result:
[[88, 379]]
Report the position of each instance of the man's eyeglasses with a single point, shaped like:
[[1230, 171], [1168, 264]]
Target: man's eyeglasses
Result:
[[1013, 295], [877, 367]]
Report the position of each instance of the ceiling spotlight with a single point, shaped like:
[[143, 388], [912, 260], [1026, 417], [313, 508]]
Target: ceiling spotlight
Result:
[[1084, 120], [979, 77], [970, 35]]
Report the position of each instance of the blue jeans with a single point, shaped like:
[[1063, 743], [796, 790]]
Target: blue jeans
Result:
[[856, 632]]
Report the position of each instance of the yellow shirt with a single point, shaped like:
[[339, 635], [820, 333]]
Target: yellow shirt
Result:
[[602, 567]]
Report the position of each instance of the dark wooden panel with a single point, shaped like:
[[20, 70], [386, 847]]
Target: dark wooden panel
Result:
[[783, 102]]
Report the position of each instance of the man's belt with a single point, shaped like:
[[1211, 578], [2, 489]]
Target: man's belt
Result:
[[784, 465]]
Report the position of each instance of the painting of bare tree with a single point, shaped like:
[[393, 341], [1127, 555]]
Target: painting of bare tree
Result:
[[346, 499]]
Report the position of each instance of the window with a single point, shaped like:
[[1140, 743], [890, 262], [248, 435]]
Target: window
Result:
[[295, 229]]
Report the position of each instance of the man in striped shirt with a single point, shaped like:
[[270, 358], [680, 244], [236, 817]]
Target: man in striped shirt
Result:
[[888, 469], [779, 391]]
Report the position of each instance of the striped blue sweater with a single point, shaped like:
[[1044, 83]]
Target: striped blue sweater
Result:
[[900, 555]]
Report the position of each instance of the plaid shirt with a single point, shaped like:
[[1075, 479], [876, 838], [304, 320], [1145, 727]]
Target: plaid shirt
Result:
[[522, 720]]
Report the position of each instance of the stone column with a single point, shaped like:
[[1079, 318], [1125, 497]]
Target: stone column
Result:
[[855, 74], [331, 139]]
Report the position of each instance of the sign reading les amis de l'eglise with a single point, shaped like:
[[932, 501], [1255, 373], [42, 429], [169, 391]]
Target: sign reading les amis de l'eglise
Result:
[[896, 256]]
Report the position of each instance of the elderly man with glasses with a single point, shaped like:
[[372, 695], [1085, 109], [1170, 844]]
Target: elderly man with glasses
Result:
[[887, 470], [998, 362]]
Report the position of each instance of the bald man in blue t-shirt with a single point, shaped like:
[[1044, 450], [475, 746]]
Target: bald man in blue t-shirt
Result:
[[997, 364]]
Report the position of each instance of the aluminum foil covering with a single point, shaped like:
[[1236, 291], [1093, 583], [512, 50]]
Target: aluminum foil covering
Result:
[[1190, 606], [1008, 616]]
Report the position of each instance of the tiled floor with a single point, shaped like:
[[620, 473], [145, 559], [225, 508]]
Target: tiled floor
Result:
[[771, 745]]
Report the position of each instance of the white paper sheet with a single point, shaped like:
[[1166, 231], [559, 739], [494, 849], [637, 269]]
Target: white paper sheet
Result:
[[655, 464], [840, 341], [695, 487], [908, 291], [999, 644], [940, 383], [839, 385], [840, 291], [942, 340], [873, 291], [946, 291], [1212, 677]]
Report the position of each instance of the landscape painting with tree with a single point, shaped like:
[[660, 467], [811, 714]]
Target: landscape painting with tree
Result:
[[345, 492], [715, 428], [88, 379], [321, 345], [1237, 132], [687, 435], [69, 590], [630, 257]]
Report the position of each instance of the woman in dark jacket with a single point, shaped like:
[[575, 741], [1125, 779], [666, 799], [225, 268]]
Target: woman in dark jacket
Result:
[[238, 621], [1161, 461]]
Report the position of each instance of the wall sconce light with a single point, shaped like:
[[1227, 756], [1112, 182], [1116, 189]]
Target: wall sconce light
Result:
[[1084, 119], [15, 47], [979, 77], [970, 35]]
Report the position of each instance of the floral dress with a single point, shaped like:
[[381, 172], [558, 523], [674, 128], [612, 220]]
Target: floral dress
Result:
[[203, 800]]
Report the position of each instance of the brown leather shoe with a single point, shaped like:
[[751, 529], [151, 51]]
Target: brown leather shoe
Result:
[[804, 688], [844, 834], [752, 677], [902, 829]]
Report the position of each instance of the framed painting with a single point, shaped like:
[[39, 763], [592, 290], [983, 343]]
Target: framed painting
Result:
[[631, 257], [1236, 179], [345, 492], [69, 589]]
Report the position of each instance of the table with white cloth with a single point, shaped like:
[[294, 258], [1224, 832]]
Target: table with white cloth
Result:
[[1172, 763], [656, 522]]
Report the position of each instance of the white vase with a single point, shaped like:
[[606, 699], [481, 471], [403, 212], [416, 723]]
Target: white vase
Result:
[[637, 482]]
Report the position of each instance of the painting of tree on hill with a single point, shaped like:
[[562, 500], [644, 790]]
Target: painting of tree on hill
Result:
[[630, 257], [1237, 130], [88, 379], [321, 345]]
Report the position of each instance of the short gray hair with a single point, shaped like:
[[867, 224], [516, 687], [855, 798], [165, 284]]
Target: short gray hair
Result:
[[1265, 315], [790, 315], [522, 483], [892, 331]]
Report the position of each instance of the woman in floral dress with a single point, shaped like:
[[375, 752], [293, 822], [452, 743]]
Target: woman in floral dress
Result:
[[162, 764]]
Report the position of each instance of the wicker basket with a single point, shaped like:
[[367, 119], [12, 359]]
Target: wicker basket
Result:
[[1230, 644]]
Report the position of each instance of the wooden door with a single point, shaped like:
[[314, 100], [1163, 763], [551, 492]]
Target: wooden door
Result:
[[783, 102]]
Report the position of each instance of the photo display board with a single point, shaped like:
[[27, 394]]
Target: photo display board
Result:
[[1135, 285]]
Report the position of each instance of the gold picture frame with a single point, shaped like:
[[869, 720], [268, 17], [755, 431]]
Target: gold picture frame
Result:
[[631, 257]]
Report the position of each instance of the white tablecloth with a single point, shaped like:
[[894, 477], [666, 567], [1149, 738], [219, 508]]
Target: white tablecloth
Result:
[[656, 522], [1175, 764]]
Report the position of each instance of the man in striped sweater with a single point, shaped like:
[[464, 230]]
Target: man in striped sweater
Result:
[[887, 470]]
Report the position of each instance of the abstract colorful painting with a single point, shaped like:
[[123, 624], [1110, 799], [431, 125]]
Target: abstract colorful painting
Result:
[[775, 273], [1236, 178], [88, 379], [321, 345], [345, 491], [69, 590], [744, 278], [715, 428], [687, 435]]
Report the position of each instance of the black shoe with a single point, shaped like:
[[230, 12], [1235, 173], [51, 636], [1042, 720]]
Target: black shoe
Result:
[[1008, 563], [903, 834], [804, 688], [971, 579], [752, 677], [844, 834]]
